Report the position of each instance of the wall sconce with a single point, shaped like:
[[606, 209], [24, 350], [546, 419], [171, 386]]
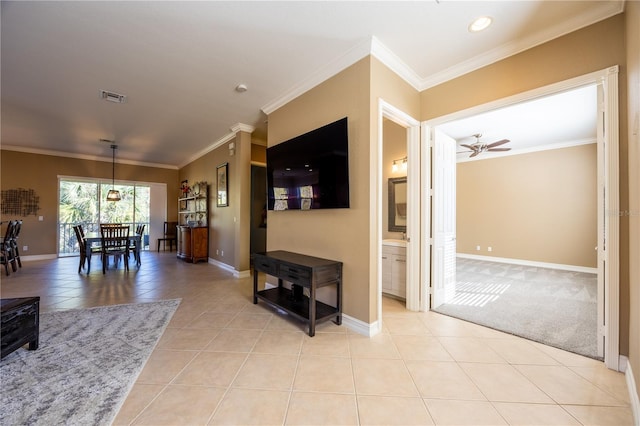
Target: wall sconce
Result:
[[399, 163]]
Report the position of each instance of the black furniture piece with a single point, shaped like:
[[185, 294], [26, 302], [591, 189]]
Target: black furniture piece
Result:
[[20, 324], [302, 272]]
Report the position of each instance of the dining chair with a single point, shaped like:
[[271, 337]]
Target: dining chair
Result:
[[115, 243], [6, 250], [95, 249], [14, 241], [170, 234], [82, 245], [133, 247]]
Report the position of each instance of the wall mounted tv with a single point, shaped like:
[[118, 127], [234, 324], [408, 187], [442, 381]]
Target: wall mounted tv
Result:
[[310, 171]]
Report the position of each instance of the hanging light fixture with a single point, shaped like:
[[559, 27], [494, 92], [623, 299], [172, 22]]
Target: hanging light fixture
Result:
[[113, 194]]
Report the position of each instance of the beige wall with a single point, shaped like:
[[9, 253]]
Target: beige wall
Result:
[[40, 173], [633, 76], [590, 49], [338, 234], [538, 206]]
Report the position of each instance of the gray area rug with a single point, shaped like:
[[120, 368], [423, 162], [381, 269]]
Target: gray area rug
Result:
[[87, 362], [550, 306]]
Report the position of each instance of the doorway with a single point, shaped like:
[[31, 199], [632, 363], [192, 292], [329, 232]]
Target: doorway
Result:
[[608, 225]]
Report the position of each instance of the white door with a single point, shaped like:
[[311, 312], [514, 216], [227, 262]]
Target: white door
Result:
[[444, 219]]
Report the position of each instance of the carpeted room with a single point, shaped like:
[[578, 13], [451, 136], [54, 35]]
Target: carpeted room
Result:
[[522, 267]]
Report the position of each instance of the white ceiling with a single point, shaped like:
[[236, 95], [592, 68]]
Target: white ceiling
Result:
[[562, 120], [179, 62]]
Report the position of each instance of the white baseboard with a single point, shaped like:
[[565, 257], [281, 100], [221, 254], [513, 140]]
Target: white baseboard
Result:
[[37, 257], [633, 395], [222, 265], [361, 327], [572, 268]]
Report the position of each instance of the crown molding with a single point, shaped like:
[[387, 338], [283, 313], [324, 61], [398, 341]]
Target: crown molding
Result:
[[393, 62], [607, 10], [218, 143], [84, 157], [350, 57], [241, 127]]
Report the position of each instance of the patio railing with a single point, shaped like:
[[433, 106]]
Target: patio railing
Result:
[[68, 244]]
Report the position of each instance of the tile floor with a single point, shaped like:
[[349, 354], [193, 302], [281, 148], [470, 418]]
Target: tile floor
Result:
[[224, 360]]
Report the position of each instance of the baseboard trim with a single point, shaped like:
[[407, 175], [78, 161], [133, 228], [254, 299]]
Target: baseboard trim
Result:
[[360, 327], [222, 265], [633, 394], [563, 267], [38, 257]]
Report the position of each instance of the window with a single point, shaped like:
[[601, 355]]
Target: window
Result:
[[83, 201]]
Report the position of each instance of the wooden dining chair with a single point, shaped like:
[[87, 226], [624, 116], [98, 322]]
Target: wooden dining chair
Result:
[[133, 244], [115, 243], [6, 250], [82, 246], [17, 226], [170, 235]]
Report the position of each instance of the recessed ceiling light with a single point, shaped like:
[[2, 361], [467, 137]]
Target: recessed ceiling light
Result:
[[480, 24], [241, 88]]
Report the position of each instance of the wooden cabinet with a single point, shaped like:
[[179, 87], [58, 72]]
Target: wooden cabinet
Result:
[[394, 270], [193, 243], [193, 224]]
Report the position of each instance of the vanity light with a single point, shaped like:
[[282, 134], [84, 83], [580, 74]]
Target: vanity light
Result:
[[401, 162], [480, 23]]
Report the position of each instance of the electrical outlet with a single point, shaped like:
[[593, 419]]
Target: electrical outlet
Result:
[[489, 249], [478, 248], [222, 253], [217, 252], [25, 248]]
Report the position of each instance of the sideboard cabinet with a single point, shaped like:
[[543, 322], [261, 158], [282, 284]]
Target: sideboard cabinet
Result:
[[193, 224]]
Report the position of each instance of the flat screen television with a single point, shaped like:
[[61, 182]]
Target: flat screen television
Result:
[[310, 171]]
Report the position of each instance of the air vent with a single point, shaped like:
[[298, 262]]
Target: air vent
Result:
[[113, 97]]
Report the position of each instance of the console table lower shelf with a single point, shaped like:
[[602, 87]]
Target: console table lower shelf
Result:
[[303, 272]]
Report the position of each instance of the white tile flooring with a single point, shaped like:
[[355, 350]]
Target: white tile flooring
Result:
[[224, 360]]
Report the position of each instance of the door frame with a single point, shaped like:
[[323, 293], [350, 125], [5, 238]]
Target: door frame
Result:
[[608, 213], [412, 126]]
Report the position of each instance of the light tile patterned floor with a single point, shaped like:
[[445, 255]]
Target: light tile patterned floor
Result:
[[224, 360]]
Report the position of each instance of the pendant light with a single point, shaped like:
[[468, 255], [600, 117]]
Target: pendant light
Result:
[[113, 194]]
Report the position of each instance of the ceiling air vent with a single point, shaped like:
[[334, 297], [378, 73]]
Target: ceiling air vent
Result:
[[113, 97]]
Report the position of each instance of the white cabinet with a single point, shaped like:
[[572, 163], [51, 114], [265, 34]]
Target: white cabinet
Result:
[[394, 269]]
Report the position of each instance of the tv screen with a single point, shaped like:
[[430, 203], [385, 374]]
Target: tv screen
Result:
[[310, 171]]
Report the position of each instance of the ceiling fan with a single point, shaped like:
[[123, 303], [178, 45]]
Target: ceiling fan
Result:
[[478, 147]]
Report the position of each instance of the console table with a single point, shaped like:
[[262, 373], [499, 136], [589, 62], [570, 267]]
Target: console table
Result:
[[302, 272], [20, 323]]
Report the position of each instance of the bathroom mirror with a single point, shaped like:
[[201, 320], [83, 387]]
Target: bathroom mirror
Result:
[[398, 204]]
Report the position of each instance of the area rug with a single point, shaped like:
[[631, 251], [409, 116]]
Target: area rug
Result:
[[87, 362], [550, 306]]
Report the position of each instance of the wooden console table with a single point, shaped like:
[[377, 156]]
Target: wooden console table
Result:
[[20, 323], [302, 272]]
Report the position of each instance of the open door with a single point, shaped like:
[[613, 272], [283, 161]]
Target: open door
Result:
[[444, 219]]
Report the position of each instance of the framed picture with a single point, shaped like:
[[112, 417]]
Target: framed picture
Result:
[[222, 185]]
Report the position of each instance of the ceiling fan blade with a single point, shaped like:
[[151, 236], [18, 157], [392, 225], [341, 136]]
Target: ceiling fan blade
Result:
[[498, 143], [474, 154], [471, 147], [462, 152], [499, 149]]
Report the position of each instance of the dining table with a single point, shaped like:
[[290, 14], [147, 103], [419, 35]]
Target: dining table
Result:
[[96, 237]]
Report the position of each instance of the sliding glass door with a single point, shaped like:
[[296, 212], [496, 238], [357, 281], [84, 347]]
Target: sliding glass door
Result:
[[83, 202]]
